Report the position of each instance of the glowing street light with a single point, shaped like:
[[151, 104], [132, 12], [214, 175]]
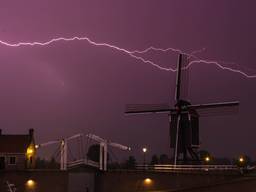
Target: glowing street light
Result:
[[147, 181], [207, 159], [241, 159], [144, 149], [30, 184]]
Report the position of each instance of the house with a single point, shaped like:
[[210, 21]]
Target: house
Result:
[[17, 152]]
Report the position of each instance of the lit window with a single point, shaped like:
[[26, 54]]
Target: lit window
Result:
[[12, 160], [30, 151]]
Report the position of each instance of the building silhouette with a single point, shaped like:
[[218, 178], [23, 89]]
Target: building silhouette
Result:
[[17, 152]]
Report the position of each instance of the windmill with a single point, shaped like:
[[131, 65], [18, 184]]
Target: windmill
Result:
[[183, 118]]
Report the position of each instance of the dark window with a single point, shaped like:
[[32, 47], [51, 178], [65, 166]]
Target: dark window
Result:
[[12, 160], [2, 162]]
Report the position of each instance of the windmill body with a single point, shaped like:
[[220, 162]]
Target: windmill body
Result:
[[184, 132]]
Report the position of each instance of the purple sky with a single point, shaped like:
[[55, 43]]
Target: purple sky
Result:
[[71, 87]]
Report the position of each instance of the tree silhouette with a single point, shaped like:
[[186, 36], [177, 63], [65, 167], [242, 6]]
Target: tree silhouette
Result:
[[203, 154], [154, 160], [40, 163], [130, 163], [94, 153], [164, 159], [44, 164], [53, 164]]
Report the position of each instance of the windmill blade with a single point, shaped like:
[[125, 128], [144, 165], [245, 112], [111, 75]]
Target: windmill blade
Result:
[[181, 91], [147, 108], [216, 109], [215, 105], [178, 78]]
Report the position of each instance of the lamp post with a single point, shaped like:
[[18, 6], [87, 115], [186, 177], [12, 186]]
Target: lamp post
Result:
[[144, 150]]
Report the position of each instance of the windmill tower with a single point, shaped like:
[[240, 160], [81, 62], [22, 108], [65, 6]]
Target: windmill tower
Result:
[[183, 118]]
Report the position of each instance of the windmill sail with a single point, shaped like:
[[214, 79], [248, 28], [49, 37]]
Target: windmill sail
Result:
[[182, 78], [216, 109], [147, 108]]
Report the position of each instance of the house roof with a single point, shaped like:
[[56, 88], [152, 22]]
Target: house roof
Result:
[[14, 143]]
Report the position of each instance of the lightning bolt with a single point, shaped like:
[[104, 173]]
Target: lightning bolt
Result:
[[134, 53], [221, 67]]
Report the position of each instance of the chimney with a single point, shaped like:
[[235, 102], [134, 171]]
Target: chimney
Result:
[[31, 134]]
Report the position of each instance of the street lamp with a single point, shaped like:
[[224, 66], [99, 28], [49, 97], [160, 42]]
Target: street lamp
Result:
[[144, 150], [30, 184], [241, 159], [207, 159], [147, 182]]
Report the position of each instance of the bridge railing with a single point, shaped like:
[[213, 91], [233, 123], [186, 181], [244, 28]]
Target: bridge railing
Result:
[[169, 167], [80, 162]]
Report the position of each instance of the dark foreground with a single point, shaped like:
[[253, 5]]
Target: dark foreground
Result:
[[126, 181], [243, 184]]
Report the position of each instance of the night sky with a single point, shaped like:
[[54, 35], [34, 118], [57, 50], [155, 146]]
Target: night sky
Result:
[[70, 87]]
